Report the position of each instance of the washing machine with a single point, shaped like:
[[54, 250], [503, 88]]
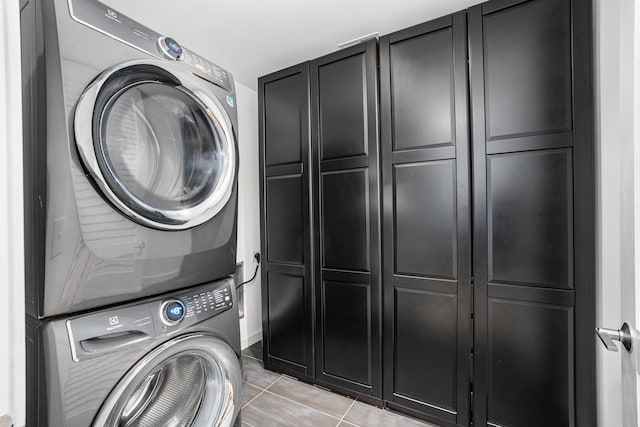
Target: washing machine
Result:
[[170, 361], [131, 160]]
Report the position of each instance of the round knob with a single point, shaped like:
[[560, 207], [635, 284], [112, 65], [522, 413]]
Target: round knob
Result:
[[173, 311], [170, 48]]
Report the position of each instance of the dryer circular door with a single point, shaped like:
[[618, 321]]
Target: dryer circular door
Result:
[[194, 380], [158, 143]]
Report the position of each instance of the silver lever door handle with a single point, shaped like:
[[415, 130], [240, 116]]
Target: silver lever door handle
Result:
[[608, 336]]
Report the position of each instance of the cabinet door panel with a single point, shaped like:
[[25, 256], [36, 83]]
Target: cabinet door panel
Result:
[[341, 97], [285, 236], [347, 332], [287, 320], [425, 347], [426, 221], [530, 355], [527, 59], [422, 90], [529, 204], [285, 228], [345, 220], [533, 213], [282, 125], [344, 111]]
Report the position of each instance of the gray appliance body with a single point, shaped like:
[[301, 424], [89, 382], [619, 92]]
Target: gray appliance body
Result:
[[111, 219], [95, 369]]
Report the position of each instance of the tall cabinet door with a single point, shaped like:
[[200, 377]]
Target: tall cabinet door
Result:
[[346, 189], [426, 220], [286, 221], [533, 213]]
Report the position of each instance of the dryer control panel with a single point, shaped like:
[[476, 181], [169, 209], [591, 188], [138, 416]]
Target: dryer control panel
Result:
[[110, 330], [114, 24]]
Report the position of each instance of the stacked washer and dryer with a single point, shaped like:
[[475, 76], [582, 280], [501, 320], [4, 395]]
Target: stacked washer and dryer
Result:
[[131, 213]]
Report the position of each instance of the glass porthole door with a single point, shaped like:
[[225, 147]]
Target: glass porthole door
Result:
[[162, 153], [191, 381]]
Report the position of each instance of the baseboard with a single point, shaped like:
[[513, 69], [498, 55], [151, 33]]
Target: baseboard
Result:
[[6, 421], [251, 339]]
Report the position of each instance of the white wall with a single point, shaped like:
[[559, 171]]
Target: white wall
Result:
[[249, 212], [12, 341]]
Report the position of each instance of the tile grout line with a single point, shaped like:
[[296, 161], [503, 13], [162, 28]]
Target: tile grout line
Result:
[[298, 403], [291, 400], [248, 381], [262, 391], [256, 386], [254, 398], [277, 379], [346, 412], [301, 404], [280, 376]]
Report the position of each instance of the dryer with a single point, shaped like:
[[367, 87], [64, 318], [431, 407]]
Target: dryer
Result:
[[131, 160], [172, 360]]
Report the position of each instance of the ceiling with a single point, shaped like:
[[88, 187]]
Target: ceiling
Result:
[[251, 38]]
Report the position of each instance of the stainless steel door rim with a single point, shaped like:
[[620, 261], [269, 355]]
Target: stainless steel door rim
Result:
[[136, 207], [211, 402]]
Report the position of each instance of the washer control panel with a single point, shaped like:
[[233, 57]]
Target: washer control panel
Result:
[[211, 301], [110, 330], [114, 24]]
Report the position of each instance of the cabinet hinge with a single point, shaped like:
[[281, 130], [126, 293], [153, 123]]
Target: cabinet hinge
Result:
[[471, 405], [471, 334], [471, 296]]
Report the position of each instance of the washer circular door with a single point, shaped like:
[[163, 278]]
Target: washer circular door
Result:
[[191, 381], [158, 143]]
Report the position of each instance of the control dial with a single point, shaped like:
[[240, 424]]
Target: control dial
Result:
[[172, 311], [170, 48]]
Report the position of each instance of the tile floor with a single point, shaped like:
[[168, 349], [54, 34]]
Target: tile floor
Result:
[[273, 400]]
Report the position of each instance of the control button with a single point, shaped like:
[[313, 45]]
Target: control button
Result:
[[170, 48], [173, 46], [172, 311]]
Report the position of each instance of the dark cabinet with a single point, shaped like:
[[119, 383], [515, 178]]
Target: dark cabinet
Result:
[[344, 111], [430, 248], [321, 221], [286, 221], [425, 170], [533, 213]]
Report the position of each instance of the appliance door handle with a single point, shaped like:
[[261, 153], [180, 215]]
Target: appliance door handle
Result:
[[608, 336], [111, 342]]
